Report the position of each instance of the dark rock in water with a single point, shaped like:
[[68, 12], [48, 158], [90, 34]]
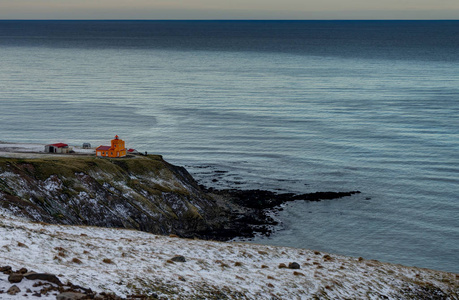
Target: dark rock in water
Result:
[[255, 207], [13, 290], [293, 265], [178, 258], [267, 199], [15, 278], [43, 276]]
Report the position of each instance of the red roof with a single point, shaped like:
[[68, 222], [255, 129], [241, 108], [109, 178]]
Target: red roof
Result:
[[131, 150], [59, 145], [103, 148]]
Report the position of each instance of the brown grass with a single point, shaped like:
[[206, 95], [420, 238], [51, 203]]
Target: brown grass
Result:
[[22, 245], [76, 260], [282, 266], [327, 257]]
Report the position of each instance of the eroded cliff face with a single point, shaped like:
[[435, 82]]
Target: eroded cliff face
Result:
[[144, 193]]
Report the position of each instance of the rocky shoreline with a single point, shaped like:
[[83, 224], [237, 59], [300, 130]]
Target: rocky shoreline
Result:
[[143, 192], [255, 217]]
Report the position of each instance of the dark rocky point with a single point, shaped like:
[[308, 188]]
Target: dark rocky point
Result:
[[179, 205]]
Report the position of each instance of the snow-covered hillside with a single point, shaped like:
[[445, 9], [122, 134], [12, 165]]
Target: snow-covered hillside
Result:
[[128, 262]]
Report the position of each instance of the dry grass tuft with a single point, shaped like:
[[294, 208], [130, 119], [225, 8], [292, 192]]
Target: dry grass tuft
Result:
[[222, 264], [264, 267], [327, 257], [76, 260], [237, 264], [262, 252], [316, 252], [270, 277], [282, 266], [298, 273], [107, 261], [62, 254], [22, 245]]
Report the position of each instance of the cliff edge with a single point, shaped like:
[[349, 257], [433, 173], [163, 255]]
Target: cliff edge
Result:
[[141, 192]]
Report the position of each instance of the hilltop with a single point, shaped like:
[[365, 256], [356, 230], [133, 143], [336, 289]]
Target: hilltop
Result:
[[158, 215], [141, 192], [134, 264]]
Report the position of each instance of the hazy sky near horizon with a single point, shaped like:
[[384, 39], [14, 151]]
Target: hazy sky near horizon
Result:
[[234, 9]]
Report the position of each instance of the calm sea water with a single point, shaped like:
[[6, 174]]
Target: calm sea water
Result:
[[285, 106]]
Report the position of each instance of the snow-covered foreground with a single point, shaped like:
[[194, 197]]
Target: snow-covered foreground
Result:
[[129, 262]]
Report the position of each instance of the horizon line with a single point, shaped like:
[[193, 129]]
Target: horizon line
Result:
[[235, 20]]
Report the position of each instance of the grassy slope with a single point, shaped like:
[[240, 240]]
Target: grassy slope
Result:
[[145, 193]]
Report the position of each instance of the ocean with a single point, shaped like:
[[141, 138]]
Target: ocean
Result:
[[287, 106]]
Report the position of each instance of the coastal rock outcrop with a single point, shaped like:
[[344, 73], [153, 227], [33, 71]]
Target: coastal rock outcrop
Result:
[[143, 192]]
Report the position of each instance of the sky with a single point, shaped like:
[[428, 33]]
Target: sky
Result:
[[229, 9]]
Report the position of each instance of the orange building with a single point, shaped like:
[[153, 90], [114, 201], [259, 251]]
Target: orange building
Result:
[[117, 149]]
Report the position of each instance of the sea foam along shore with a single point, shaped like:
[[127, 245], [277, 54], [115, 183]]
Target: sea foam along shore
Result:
[[128, 262]]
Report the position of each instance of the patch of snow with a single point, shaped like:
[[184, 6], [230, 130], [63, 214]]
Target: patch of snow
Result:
[[128, 262], [84, 151], [52, 184], [25, 285]]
